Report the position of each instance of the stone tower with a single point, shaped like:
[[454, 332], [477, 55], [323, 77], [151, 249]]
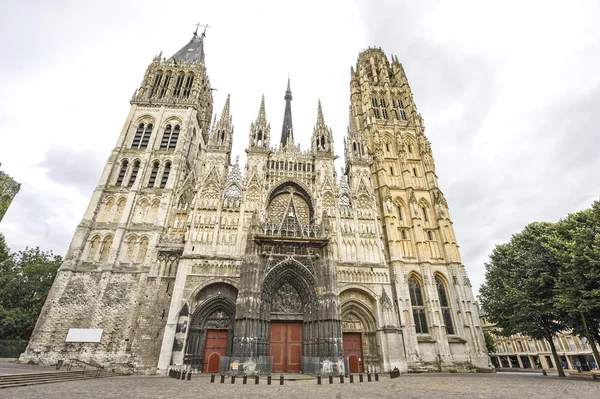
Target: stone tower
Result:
[[186, 259], [432, 292]]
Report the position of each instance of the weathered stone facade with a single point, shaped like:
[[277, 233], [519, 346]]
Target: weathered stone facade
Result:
[[182, 258]]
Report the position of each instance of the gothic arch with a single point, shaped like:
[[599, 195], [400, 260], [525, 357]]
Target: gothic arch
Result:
[[301, 189], [143, 119], [215, 310]]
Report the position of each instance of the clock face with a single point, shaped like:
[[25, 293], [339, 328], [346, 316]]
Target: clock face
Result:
[[190, 50]]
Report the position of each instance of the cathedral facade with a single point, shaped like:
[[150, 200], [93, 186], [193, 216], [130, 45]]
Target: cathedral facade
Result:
[[184, 257]]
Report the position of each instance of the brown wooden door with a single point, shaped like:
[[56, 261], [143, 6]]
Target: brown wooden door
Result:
[[286, 347], [353, 351], [216, 344]]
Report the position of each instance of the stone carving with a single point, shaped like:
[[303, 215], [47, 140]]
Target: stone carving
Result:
[[385, 300], [413, 202], [218, 320], [286, 300], [351, 323]]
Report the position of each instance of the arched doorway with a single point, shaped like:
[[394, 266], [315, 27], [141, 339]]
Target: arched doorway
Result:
[[210, 334], [359, 327]]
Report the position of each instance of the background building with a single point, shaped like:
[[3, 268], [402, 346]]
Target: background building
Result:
[[521, 351], [184, 257], [8, 189]]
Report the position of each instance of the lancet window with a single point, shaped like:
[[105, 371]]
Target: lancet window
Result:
[[418, 306], [445, 305], [170, 136]]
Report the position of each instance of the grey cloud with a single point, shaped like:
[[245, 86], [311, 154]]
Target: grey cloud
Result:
[[78, 169]]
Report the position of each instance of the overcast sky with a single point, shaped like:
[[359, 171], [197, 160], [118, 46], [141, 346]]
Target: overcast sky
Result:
[[509, 90]]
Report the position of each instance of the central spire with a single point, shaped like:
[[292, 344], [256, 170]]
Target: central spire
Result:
[[287, 132]]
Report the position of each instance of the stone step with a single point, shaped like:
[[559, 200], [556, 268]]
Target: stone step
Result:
[[19, 380]]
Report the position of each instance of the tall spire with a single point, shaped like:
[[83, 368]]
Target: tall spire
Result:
[[260, 130], [287, 131]]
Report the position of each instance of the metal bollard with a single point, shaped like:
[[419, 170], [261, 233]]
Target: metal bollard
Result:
[[376, 376], [341, 378], [212, 378], [319, 379], [360, 377], [222, 378], [544, 372], [245, 380], [183, 375], [189, 376], [269, 379], [351, 378], [233, 378], [281, 379], [330, 378], [368, 377], [256, 379]]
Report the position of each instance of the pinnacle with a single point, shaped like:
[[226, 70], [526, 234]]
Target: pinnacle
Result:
[[320, 118], [288, 86]]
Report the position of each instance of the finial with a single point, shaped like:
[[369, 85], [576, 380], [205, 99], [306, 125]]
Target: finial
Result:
[[237, 159], [197, 26], [288, 87]]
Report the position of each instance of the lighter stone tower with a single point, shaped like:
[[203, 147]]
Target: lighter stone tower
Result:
[[185, 259], [432, 293]]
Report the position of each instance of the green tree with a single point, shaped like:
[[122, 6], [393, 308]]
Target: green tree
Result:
[[518, 294], [490, 343], [577, 243], [25, 279]]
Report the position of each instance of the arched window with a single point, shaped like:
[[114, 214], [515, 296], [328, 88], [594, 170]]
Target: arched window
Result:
[[445, 305], [164, 144], [429, 236], [94, 244], [165, 175], [156, 84], [106, 244], [178, 84], [122, 173], [120, 209], [403, 233], [137, 139], [143, 249], [418, 306], [188, 85], [399, 213], [134, 173], [354, 147], [146, 136], [174, 137], [153, 174], [165, 85], [425, 216], [169, 139], [130, 249]]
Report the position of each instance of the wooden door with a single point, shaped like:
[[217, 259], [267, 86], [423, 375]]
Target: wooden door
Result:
[[216, 344], [353, 351], [286, 347]]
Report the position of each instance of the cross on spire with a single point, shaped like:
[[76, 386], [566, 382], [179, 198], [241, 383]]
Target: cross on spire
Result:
[[197, 26]]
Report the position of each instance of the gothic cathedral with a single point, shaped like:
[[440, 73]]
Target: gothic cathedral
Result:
[[185, 258]]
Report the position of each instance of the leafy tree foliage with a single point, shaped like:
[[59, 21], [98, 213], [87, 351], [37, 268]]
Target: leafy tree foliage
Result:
[[518, 294], [25, 279], [490, 344], [577, 243]]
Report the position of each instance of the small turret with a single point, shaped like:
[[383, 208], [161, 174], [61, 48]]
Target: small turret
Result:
[[260, 130], [355, 147], [222, 131], [322, 138]]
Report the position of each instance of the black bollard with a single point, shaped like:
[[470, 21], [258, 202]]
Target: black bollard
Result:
[[376, 376], [245, 380], [341, 378], [269, 379], [319, 379], [331, 378], [189, 376], [360, 377], [222, 378], [183, 375], [368, 377], [212, 378], [256, 379], [281, 379], [351, 378], [233, 378], [544, 372]]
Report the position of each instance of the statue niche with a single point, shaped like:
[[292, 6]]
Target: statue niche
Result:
[[286, 300]]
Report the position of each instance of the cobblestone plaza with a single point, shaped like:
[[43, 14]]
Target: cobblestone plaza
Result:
[[443, 385]]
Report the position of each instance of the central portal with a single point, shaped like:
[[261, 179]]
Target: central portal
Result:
[[286, 347]]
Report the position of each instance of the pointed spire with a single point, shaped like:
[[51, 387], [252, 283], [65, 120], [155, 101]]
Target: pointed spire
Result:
[[260, 130], [225, 113], [262, 114], [287, 131], [320, 119]]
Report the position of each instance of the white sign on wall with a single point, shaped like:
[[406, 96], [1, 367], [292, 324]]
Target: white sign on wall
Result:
[[84, 335]]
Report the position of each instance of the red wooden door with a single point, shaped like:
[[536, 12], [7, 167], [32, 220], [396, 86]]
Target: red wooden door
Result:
[[353, 351], [286, 347], [216, 343]]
